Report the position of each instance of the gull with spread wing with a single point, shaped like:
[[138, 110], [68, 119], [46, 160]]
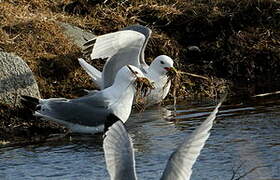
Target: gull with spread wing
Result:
[[119, 154], [127, 47], [77, 114]]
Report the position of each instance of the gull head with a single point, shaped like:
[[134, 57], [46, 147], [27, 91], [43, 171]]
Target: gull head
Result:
[[163, 65]]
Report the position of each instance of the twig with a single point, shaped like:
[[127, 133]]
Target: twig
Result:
[[195, 75], [246, 173], [235, 171], [267, 94]]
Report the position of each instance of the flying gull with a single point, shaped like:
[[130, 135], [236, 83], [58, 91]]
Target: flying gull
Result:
[[127, 47], [120, 160], [87, 114]]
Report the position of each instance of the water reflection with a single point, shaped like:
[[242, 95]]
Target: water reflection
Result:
[[245, 135]]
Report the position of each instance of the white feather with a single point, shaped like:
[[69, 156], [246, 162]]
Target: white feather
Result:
[[94, 73], [181, 161], [109, 44], [119, 153]]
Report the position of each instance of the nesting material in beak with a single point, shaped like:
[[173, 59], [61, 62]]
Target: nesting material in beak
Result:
[[143, 87], [173, 76], [171, 72]]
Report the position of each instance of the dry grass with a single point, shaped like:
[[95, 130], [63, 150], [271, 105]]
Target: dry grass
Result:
[[233, 35], [33, 34]]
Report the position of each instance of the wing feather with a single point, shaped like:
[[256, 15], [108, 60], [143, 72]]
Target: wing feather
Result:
[[108, 45], [121, 48], [181, 161], [76, 111], [119, 153], [147, 33]]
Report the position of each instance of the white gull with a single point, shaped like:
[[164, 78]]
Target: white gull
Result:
[[127, 47], [87, 114]]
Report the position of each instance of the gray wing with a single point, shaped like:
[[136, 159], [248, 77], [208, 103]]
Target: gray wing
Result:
[[90, 110], [181, 161], [147, 33], [116, 62], [119, 153], [128, 52]]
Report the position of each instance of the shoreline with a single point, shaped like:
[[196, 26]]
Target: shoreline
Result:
[[239, 43]]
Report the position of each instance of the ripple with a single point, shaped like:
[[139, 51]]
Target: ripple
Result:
[[244, 134]]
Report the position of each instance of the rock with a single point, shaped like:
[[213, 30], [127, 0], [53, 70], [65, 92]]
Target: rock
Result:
[[193, 48], [193, 55], [78, 35], [16, 79]]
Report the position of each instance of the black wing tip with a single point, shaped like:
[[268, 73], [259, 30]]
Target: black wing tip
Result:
[[90, 42], [110, 120], [29, 102], [30, 99]]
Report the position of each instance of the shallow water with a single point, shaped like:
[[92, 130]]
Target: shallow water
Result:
[[246, 137]]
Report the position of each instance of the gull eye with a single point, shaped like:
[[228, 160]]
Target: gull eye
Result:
[[135, 72], [161, 62]]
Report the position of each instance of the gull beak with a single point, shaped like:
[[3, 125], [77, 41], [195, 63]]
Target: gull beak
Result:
[[171, 71]]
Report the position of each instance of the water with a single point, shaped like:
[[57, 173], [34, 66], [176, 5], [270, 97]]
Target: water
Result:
[[246, 137]]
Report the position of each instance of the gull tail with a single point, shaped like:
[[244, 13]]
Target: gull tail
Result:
[[94, 73], [29, 102]]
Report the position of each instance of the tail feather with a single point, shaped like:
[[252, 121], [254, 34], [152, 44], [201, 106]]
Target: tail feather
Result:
[[29, 102], [94, 73]]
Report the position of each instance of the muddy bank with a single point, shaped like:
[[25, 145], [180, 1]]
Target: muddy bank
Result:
[[19, 127], [239, 43]]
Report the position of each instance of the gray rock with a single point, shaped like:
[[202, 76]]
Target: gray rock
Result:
[[78, 35], [16, 79]]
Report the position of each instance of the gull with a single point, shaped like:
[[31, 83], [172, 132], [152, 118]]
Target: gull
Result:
[[77, 114], [120, 160], [124, 47]]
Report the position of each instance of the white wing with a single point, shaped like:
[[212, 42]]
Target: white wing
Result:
[[94, 73], [147, 33], [122, 48], [180, 163], [119, 153], [92, 46], [108, 45]]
